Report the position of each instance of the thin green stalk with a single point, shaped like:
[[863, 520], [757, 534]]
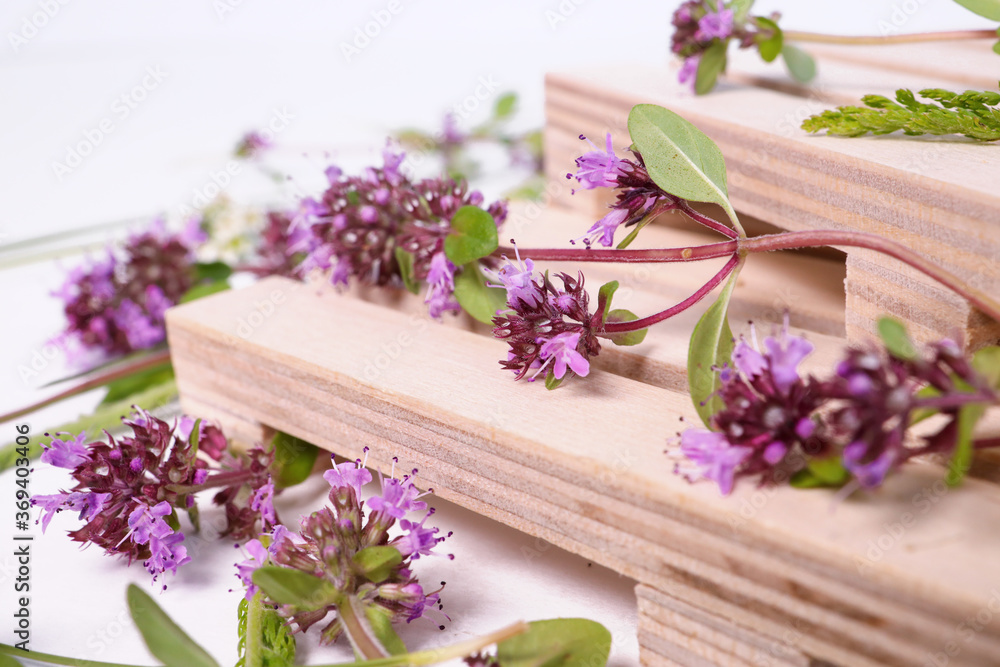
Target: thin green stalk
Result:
[[104, 419], [437, 655], [358, 630], [254, 651], [57, 659], [884, 40]]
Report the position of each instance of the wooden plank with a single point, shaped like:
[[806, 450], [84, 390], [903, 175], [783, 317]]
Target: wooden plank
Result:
[[936, 196], [495, 441]]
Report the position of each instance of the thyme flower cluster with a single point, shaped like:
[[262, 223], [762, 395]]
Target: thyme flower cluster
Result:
[[130, 490], [775, 424]]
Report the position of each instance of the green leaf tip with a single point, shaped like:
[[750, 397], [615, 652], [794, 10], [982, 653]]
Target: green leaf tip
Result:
[[166, 641], [711, 347]]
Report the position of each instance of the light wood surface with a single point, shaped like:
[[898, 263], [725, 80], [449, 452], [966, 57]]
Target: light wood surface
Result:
[[936, 195], [584, 468]]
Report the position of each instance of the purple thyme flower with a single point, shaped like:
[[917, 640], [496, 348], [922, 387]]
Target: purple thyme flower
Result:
[[562, 348], [69, 453], [715, 25], [330, 540], [710, 456], [253, 144], [603, 231], [263, 501], [689, 71], [518, 280], [441, 286], [599, 170]]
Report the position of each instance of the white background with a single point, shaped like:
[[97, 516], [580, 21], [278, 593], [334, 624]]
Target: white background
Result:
[[230, 67]]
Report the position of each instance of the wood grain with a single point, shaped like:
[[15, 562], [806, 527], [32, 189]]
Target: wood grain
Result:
[[575, 468]]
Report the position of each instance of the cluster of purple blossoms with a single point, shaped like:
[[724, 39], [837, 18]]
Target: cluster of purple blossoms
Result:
[[698, 24], [129, 490], [116, 306], [355, 229], [550, 330], [638, 198], [774, 421], [330, 540]]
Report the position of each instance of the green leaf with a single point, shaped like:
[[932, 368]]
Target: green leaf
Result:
[[552, 382], [741, 8], [830, 471], [711, 347], [627, 241], [212, 271], [988, 8], [996, 48], [711, 65], [164, 638], [769, 47], [293, 459], [563, 642], [8, 661], [961, 460], [897, 341], [381, 623], [505, 106], [203, 290], [265, 639], [473, 236], [800, 64], [376, 563], [287, 586], [918, 416], [604, 296], [680, 158], [478, 300], [136, 383], [627, 337], [404, 259], [987, 363]]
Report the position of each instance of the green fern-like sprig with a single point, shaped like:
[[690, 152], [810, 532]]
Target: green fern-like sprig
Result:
[[972, 114]]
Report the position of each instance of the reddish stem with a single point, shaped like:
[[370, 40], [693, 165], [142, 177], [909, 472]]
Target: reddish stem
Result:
[[636, 325], [792, 240], [117, 372], [690, 254], [711, 223]]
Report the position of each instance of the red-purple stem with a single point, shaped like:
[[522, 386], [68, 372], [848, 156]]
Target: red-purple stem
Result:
[[657, 256], [793, 240], [711, 223], [636, 325]]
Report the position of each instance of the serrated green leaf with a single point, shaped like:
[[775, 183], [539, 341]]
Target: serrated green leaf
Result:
[[680, 158], [770, 47], [134, 384], [164, 638], [287, 586], [505, 106], [896, 340], [294, 459], [381, 624], [203, 290], [988, 8], [800, 64], [711, 347], [710, 66], [552, 382], [604, 297], [405, 261], [627, 337], [473, 236], [376, 563], [961, 459], [478, 300], [212, 271], [564, 642]]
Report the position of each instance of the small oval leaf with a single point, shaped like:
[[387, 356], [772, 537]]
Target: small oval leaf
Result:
[[988, 8], [478, 300], [293, 459], [680, 158], [473, 236], [711, 65], [800, 64], [376, 563], [404, 260], [563, 642], [287, 586], [711, 347], [627, 337], [164, 638], [896, 339]]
